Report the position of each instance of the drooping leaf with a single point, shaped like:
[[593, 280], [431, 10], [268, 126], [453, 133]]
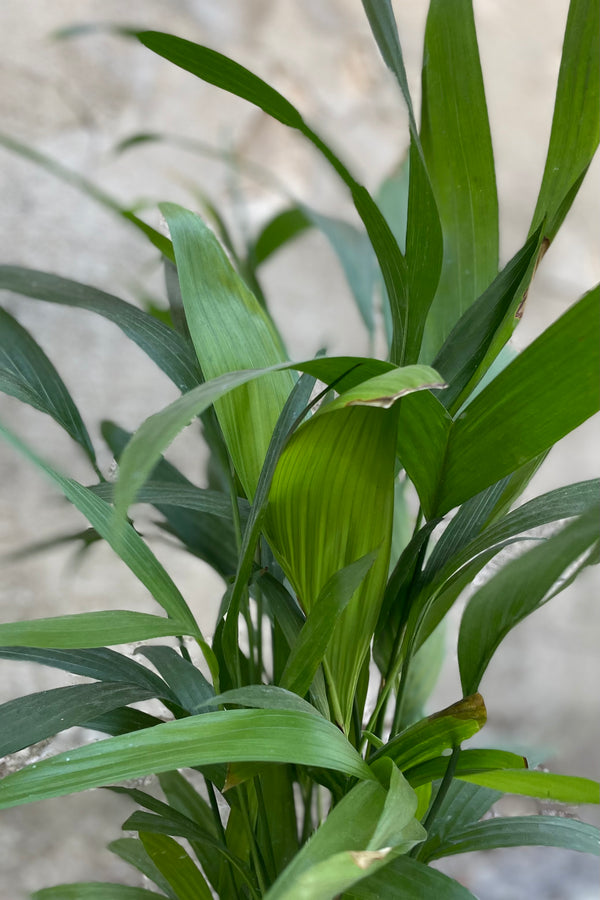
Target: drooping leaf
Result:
[[223, 72], [162, 344], [32, 718], [523, 831], [230, 736], [187, 682], [545, 785], [89, 630], [456, 141], [263, 696], [134, 552], [27, 373], [576, 120], [462, 807], [517, 590]]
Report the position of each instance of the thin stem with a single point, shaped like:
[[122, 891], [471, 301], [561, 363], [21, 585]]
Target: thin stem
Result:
[[441, 793], [254, 850], [333, 697]]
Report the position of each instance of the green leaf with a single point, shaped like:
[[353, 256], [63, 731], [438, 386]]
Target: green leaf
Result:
[[283, 227], [470, 762], [33, 718], [101, 664], [466, 346], [456, 141], [358, 834], [89, 189], [188, 684], [545, 785], [518, 589], [218, 305], [523, 831], [122, 721], [93, 629], [93, 890], [424, 242], [263, 696], [232, 736], [182, 495], [131, 850], [405, 877], [162, 344], [576, 120], [462, 807], [308, 651], [175, 864], [129, 545], [27, 373], [428, 738], [225, 73]]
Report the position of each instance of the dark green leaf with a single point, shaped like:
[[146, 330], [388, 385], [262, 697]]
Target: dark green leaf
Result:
[[456, 140], [523, 831], [27, 373], [405, 877], [122, 721], [282, 228], [188, 684], [163, 345], [515, 591], [462, 807], [32, 718], [576, 120], [132, 851]]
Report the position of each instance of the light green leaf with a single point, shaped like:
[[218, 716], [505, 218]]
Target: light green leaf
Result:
[[428, 738], [131, 850], [231, 332], [545, 785], [519, 588], [576, 120], [32, 718], [239, 735], [27, 373], [93, 629], [456, 140], [523, 831], [162, 344], [175, 864], [263, 696], [308, 651], [470, 762], [129, 545]]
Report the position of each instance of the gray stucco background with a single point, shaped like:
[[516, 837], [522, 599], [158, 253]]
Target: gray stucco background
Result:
[[74, 100]]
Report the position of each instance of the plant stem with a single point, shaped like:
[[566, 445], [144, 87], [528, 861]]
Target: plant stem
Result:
[[441, 793], [254, 849]]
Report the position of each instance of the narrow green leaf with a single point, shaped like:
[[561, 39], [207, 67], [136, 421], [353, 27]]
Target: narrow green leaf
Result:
[[163, 345], [405, 877], [231, 736], [129, 545], [131, 850], [218, 305], [549, 390], [33, 718], [182, 495], [428, 738], [94, 890], [518, 589], [470, 762], [576, 120], [101, 664], [93, 629], [89, 189], [283, 227], [462, 807], [175, 864], [27, 373], [456, 140], [308, 651], [466, 346], [263, 696], [187, 682], [523, 831], [122, 721], [223, 72], [545, 785]]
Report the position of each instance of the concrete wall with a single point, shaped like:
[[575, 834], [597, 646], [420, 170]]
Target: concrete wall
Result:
[[74, 101]]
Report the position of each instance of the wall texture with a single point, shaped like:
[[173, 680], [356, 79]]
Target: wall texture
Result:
[[75, 100]]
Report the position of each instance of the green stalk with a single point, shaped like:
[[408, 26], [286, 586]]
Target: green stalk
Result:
[[258, 863]]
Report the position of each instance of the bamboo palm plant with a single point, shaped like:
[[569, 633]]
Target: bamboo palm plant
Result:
[[291, 750]]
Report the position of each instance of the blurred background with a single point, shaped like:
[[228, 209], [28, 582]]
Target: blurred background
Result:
[[76, 100]]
